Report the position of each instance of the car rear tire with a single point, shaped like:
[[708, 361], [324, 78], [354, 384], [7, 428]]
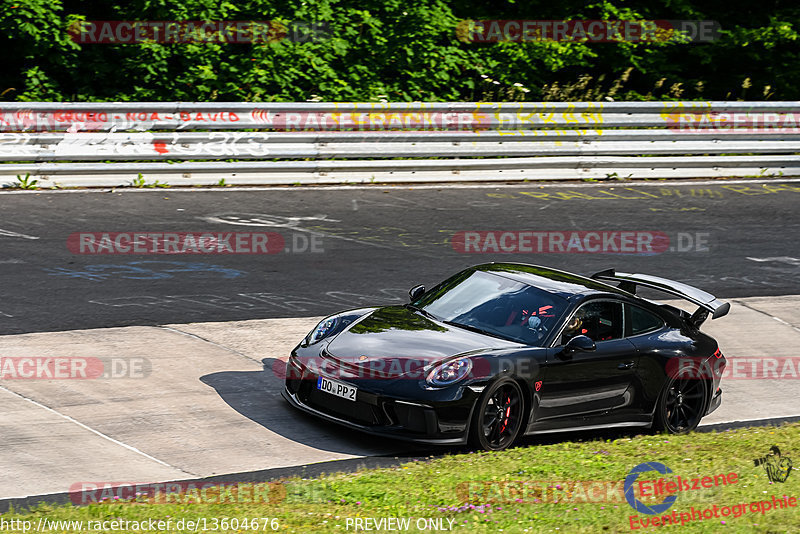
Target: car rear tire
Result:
[[682, 403], [498, 416]]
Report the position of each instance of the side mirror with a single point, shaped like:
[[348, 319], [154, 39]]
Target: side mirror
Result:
[[416, 292], [579, 344]]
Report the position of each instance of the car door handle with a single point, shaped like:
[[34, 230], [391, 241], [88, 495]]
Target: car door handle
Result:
[[625, 365]]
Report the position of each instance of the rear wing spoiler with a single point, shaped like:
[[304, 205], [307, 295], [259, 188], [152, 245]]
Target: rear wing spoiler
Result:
[[708, 303]]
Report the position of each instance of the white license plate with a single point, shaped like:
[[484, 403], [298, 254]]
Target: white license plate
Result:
[[334, 387]]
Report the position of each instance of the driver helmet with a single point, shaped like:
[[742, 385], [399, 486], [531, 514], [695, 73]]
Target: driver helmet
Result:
[[573, 327]]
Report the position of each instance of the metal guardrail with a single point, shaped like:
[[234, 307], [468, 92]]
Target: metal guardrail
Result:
[[110, 144]]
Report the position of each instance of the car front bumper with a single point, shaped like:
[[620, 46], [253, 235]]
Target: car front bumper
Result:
[[429, 436], [397, 409]]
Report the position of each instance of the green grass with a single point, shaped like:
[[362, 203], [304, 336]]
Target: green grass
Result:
[[436, 489], [25, 182]]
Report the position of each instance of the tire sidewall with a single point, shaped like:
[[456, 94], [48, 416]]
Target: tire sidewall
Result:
[[660, 421], [476, 437]]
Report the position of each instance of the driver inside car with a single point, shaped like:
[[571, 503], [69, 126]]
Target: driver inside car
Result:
[[572, 329], [592, 320]]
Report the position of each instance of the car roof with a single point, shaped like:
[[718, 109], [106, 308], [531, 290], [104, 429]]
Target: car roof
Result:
[[565, 285]]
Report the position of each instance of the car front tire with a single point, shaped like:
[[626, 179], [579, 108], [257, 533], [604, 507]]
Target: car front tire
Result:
[[498, 416]]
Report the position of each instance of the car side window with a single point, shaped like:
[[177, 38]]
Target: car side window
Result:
[[599, 320], [641, 321]]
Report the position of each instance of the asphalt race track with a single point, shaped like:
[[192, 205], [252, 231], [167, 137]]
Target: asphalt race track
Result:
[[371, 244], [210, 331]]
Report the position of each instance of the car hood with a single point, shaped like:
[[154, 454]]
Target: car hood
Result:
[[399, 340]]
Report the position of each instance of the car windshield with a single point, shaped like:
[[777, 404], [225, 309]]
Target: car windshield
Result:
[[495, 305]]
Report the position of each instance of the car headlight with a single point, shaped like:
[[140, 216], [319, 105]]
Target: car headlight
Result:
[[334, 324], [450, 372], [325, 328]]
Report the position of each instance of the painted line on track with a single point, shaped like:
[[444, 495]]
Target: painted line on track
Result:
[[204, 340], [9, 233], [778, 319], [92, 430]]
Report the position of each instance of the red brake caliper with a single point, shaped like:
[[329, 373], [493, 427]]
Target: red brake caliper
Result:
[[508, 413]]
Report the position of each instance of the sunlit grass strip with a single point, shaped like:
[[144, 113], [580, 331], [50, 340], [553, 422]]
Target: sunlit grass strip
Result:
[[434, 489]]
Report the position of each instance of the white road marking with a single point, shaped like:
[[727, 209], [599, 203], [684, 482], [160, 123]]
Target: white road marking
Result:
[[277, 221], [93, 431], [790, 325], [195, 336], [780, 259], [9, 233], [261, 219], [5, 314]]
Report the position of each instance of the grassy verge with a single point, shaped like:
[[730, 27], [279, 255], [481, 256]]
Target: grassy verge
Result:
[[483, 492]]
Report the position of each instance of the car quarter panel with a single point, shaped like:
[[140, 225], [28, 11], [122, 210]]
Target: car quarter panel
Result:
[[666, 350]]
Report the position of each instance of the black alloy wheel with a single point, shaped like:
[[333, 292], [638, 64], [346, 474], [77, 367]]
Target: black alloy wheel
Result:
[[498, 416], [682, 403]]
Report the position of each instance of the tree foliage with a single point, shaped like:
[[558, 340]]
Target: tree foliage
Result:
[[398, 51]]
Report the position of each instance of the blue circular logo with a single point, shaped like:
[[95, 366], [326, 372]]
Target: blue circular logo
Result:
[[638, 505]]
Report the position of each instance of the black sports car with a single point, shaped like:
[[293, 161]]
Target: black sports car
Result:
[[504, 349]]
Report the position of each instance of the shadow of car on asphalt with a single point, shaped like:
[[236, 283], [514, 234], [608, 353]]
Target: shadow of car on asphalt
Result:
[[257, 396]]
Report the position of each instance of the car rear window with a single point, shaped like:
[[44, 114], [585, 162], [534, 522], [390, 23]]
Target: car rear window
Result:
[[642, 321]]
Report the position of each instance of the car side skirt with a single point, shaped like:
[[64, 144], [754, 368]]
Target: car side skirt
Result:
[[639, 424]]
